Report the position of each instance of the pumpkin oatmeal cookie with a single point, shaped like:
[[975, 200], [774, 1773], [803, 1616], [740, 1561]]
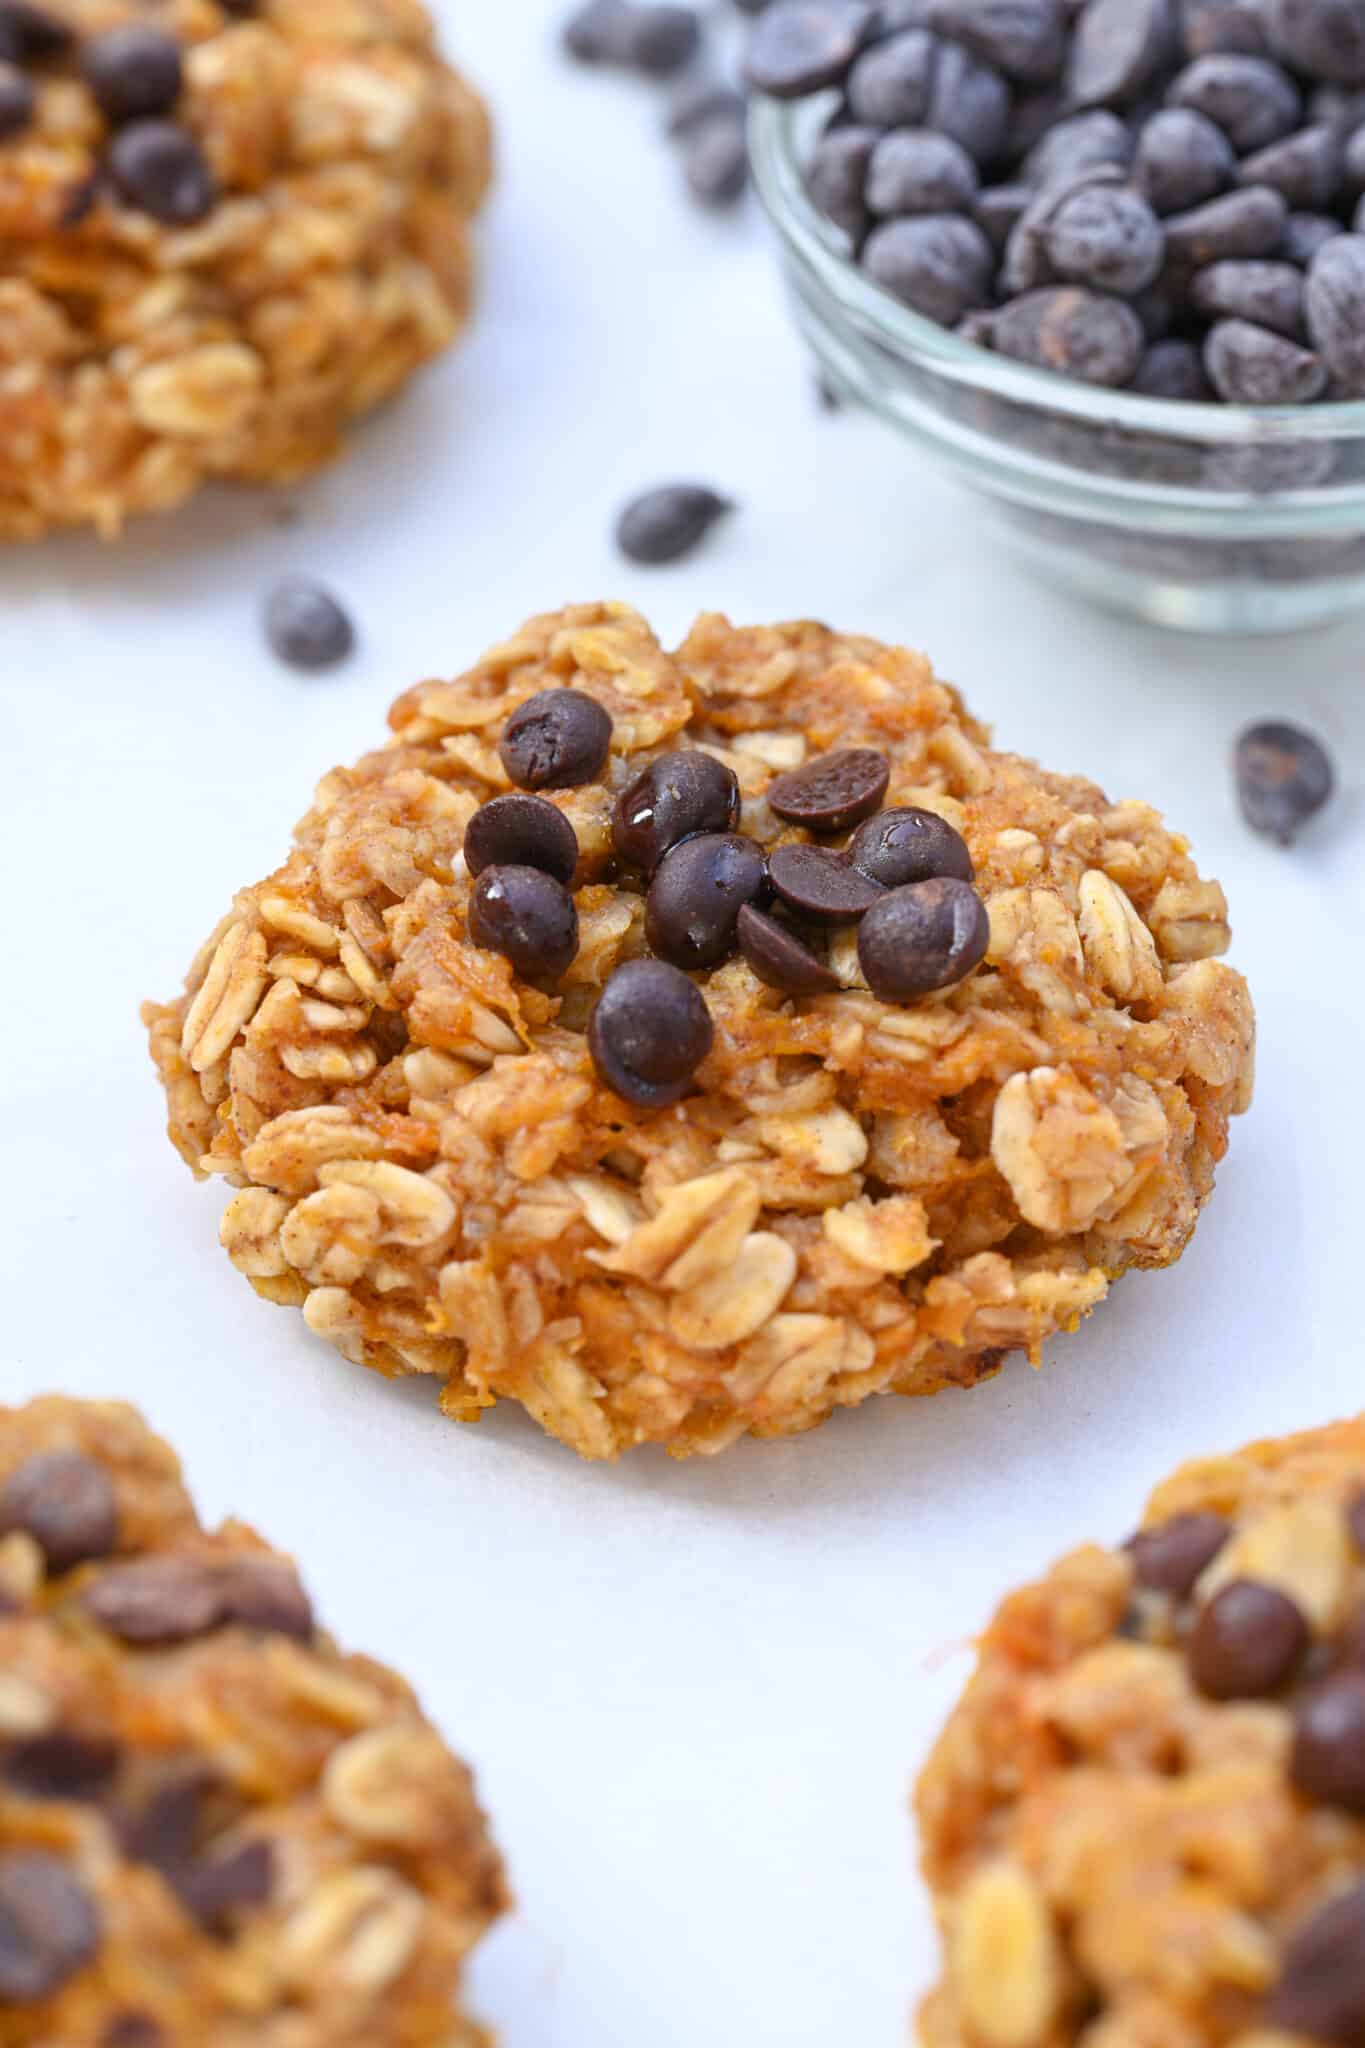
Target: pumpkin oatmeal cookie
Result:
[[1144, 1825], [227, 228], [214, 1826], [689, 1044]]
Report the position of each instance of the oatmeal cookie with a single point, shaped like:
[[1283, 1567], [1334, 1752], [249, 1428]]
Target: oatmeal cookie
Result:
[[214, 1826], [1144, 1825], [226, 229], [478, 1132]]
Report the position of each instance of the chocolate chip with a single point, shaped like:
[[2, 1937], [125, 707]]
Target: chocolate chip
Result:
[[211, 1891], [924, 936], [66, 1503], [159, 167], [1182, 158], [649, 1032], [134, 71], [820, 885], [1173, 369], [1107, 237], [1117, 48], [1305, 168], [1355, 1519], [969, 101], [48, 1926], [264, 1593], [1336, 309], [17, 101], [909, 845], [132, 2030], [889, 84], [1321, 1990], [716, 160], [938, 264], [1024, 38], [164, 1828], [558, 739], [62, 1765], [597, 33], [677, 796], [695, 897], [779, 958], [1327, 1761], [522, 831], [1324, 38], [913, 170], [306, 626], [30, 35], [801, 45], [1075, 332], [156, 1600], [1169, 1556], [526, 916], [657, 40], [1211, 25], [837, 173], [833, 791], [1284, 777], [1251, 289], [699, 99], [1248, 1642], [1249, 222], [1305, 234], [1252, 100], [998, 211], [668, 522], [1081, 143]]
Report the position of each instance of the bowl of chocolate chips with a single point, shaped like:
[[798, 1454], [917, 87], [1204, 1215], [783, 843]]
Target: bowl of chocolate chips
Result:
[[1106, 263]]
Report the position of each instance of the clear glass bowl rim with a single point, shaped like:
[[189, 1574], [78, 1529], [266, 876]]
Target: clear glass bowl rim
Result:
[[775, 134]]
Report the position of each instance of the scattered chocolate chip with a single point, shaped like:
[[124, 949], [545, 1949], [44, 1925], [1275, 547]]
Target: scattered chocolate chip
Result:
[[909, 845], [675, 797], [156, 1599], [597, 33], [1182, 158], [833, 791], [821, 885], [1117, 48], [1252, 289], [1321, 1989], [649, 1032], [656, 40], [557, 739], [1327, 1760], [1108, 237], [306, 626], [915, 170], [66, 1503], [801, 45], [1169, 1556], [212, 1890], [779, 958], [716, 160], [17, 100], [1075, 332], [1284, 776], [159, 167], [1336, 309], [698, 99], [265, 1593], [695, 897], [62, 1765], [526, 916], [668, 522], [48, 1926], [520, 830], [925, 936], [134, 71], [938, 264], [1324, 38], [1026, 39], [30, 35], [1248, 1642]]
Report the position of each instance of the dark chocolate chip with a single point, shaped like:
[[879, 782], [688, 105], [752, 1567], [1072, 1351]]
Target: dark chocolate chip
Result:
[[17, 100], [521, 830], [1248, 1642], [998, 211], [1169, 1556], [1117, 48], [925, 936], [132, 2030], [1024, 38], [48, 1926], [837, 173], [134, 71], [1336, 309], [66, 1503], [156, 1599], [820, 885], [1250, 288], [1253, 101], [890, 83], [938, 264], [661, 40], [30, 35], [1249, 222], [598, 32], [1173, 369], [667, 523], [913, 170], [1107, 237], [264, 1593], [62, 1765], [526, 916], [695, 897], [1182, 158], [716, 160], [1305, 168], [1321, 1988], [675, 797], [1081, 143], [1323, 38], [698, 99], [1305, 234], [649, 1033], [163, 1830], [779, 958], [968, 100], [801, 45], [909, 845], [212, 1890], [833, 791], [1284, 777], [1208, 26], [1075, 332], [558, 739], [1327, 1760], [306, 626], [159, 167]]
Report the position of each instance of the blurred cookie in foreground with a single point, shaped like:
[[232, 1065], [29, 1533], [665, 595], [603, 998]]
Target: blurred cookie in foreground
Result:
[[1144, 1825], [214, 1825]]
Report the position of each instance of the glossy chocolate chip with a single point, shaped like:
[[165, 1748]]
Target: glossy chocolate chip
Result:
[[522, 831], [1284, 777], [526, 916], [48, 1926], [306, 626], [837, 174], [1321, 1989], [265, 1593], [66, 1503], [677, 796], [1169, 1556], [30, 35], [558, 739], [820, 885], [1248, 1642], [909, 845], [1327, 1761], [666, 523], [779, 958], [156, 1599], [799, 46], [134, 71], [649, 1032], [159, 168], [17, 100], [694, 900], [926, 936], [62, 1765], [833, 791]]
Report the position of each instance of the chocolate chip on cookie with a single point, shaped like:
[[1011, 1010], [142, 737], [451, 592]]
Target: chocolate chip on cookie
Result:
[[695, 898], [779, 958], [1248, 1642], [1327, 1761], [528, 917], [558, 739], [649, 1032], [1169, 1556], [832, 792], [820, 885], [155, 1600], [17, 100], [66, 1502], [909, 845], [520, 830], [48, 1926], [30, 35], [134, 71], [159, 167], [675, 797], [925, 936], [1321, 1989]]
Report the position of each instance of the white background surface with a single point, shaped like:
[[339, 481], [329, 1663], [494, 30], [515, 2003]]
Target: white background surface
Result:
[[694, 1694]]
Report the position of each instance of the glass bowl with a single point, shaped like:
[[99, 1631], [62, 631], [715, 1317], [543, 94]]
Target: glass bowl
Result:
[[1213, 518]]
